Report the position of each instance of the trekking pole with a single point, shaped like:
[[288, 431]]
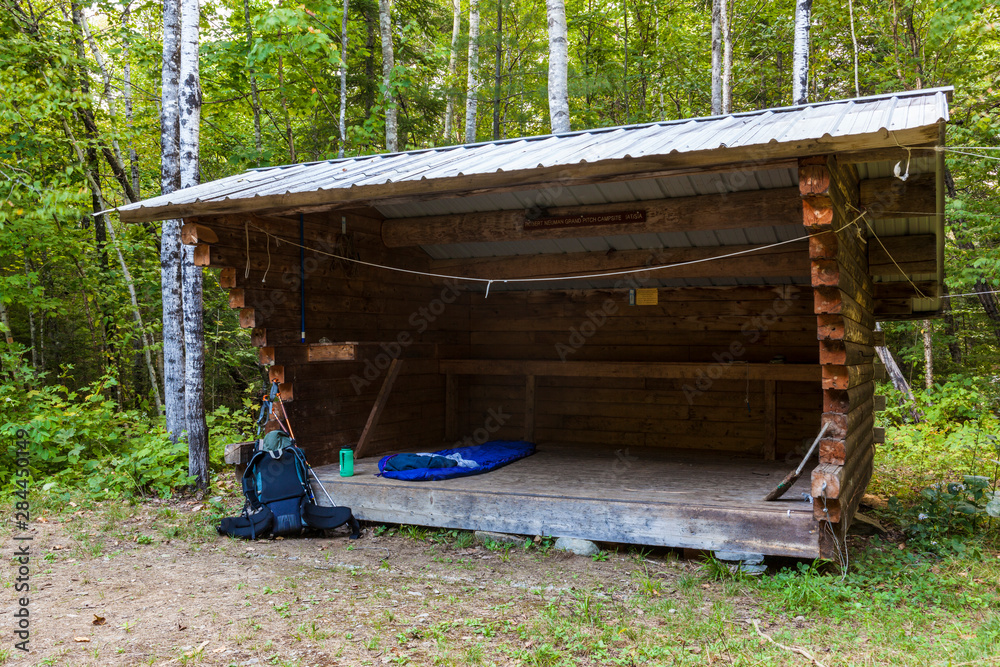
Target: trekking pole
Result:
[[288, 422], [793, 476]]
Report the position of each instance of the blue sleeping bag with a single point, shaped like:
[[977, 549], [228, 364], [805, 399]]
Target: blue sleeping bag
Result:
[[457, 462]]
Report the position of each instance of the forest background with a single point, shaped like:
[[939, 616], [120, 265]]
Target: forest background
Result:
[[80, 302]]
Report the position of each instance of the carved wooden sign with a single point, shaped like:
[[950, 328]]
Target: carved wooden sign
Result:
[[585, 220]]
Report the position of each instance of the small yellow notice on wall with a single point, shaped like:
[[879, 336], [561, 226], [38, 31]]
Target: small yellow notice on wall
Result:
[[645, 296]]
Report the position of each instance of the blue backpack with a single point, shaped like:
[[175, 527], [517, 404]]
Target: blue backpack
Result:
[[279, 495]]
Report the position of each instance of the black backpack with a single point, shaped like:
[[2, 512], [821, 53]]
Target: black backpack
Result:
[[278, 492]]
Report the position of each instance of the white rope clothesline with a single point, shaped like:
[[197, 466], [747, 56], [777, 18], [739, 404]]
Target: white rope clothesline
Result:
[[604, 274]]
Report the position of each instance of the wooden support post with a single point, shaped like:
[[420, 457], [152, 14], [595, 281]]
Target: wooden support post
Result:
[[844, 304], [451, 407], [529, 408], [380, 401], [770, 420]]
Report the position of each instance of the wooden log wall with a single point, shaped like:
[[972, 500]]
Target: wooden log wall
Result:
[[701, 325], [393, 315], [844, 304]]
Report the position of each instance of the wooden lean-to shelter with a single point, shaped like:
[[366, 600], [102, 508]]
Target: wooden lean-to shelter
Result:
[[703, 295]]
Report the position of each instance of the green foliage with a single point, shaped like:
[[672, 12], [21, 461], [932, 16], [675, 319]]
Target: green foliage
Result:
[[920, 464], [882, 578], [83, 440], [948, 512]]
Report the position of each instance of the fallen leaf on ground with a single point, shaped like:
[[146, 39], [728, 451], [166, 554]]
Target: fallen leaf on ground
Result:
[[98, 620], [81, 639]]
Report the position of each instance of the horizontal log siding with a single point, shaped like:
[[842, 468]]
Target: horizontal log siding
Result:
[[331, 400], [698, 325]]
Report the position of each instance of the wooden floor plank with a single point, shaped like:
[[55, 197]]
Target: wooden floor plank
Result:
[[633, 495]]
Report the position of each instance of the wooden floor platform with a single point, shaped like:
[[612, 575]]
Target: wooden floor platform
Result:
[[647, 496]]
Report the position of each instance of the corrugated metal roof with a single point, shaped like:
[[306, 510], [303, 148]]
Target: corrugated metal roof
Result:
[[773, 133]]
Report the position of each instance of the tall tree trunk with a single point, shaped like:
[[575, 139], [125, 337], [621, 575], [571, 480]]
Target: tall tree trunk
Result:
[[170, 237], [368, 91], [289, 135], [133, 158], [31, 315], [950, 329], [626, 90], [717, 57], [800, 52], [928, 355], [854, 43], [727, 58], [472, 88], [343, 82], [388, 63], [497, 74], [191, 275], [252, 74], [5, 320], [558, 66], [456, 32]]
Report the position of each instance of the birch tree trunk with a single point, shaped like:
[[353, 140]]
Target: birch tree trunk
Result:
[[343, 81], [472, 88], [5, 320], [170, 237], [191, 275], [497, 72], [133, 158], [252, 73], [928, 356], [456, 32], [854, 43], [717, 57], [800, 52], [388, 63], [558, 66], [727, 59]]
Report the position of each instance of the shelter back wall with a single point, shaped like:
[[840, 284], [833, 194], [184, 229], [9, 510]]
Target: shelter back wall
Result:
[[689, 325]]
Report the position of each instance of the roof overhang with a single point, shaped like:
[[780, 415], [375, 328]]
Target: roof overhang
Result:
[[729, 156]]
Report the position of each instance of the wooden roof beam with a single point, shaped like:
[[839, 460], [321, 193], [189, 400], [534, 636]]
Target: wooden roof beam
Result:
[[783, 261], [731, 210]]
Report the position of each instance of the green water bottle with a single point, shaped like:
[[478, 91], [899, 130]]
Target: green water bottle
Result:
[[346, 462]]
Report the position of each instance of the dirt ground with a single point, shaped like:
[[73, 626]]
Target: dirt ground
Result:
[[152, 584]]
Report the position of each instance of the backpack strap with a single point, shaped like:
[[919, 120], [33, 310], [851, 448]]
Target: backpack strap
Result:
[[328, 518], [247, 527], [249, 481]]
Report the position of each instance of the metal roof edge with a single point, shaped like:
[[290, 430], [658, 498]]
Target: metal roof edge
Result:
[[919, 92]]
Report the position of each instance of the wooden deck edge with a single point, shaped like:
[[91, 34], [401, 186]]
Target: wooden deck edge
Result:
[[778, 532]]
